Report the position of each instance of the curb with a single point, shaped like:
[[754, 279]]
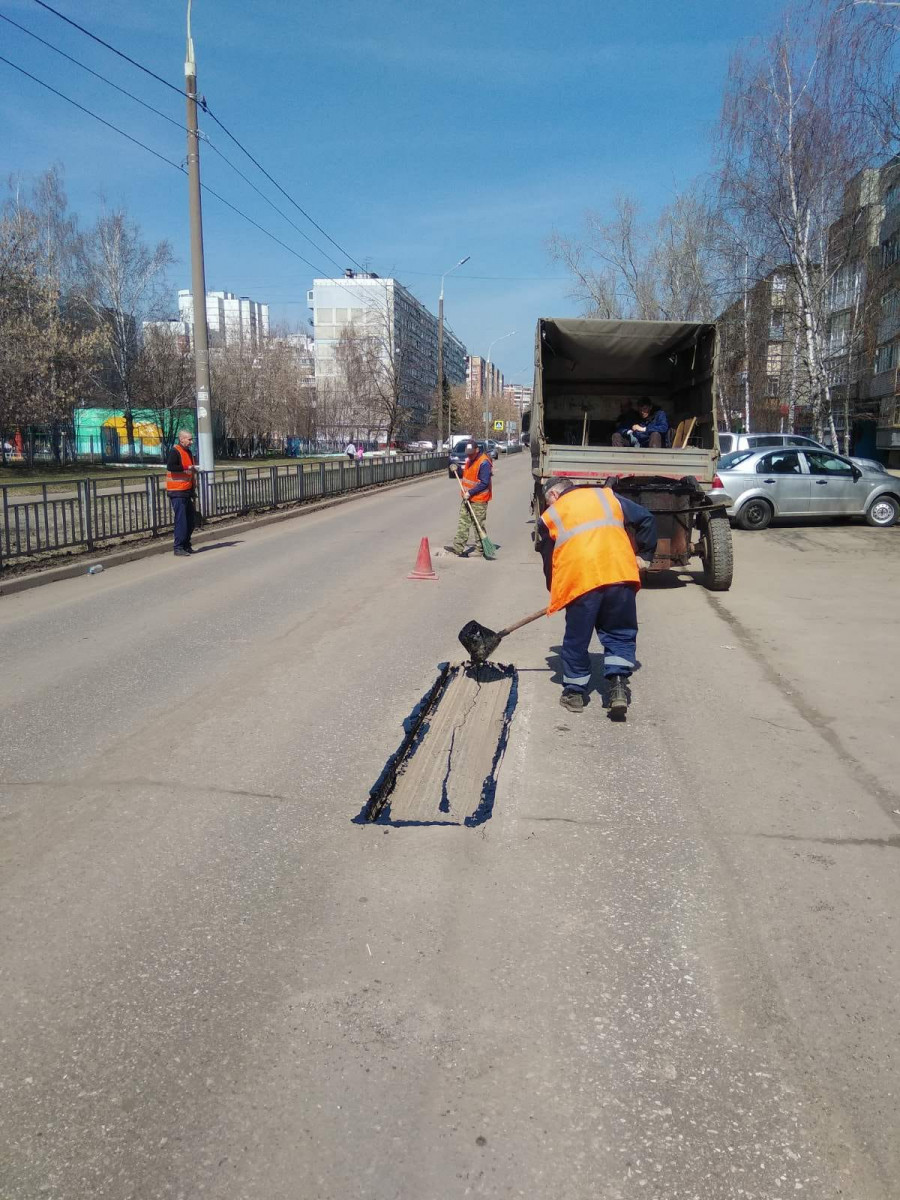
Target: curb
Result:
[[118, 558]]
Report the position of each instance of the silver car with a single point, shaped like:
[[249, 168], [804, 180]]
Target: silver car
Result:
[[760, 485], [729, 442]]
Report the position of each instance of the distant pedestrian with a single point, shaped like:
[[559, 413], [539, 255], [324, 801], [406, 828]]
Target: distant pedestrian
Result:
[[350, 451], [181, 474], [359, 454]]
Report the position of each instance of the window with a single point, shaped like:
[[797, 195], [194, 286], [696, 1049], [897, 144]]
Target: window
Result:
[[776, 326], [845, 286], [784, 462], [728, 462], [892, 198], [885, 358], [773, 358], [889, 315], [890, 250], [799, 440], [779, 283], [838, 332], [759, 440], [772, 386], [822, 463]]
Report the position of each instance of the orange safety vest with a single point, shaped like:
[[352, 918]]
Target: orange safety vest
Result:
[[183, 480], [592, 548], [470, 478]]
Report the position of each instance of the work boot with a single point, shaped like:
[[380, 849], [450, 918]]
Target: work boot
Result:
[[572, 699], [618, 698], [453, 550], [181, 553]]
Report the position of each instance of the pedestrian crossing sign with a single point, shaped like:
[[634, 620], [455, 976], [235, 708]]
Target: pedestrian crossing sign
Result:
[[498, 426]]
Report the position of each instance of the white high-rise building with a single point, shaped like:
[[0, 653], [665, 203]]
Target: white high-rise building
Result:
[[405, 333], [230, 319]]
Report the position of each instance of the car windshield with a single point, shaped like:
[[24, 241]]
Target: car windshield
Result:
[[729, 461]]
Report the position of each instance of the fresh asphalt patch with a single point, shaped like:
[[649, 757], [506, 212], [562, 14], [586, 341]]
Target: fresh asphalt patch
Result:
[[445, 770]]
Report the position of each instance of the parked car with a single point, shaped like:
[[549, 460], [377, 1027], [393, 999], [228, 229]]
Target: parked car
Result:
[[761, 485], [492, 448], [457, 455], [730, 442], [421, 447]]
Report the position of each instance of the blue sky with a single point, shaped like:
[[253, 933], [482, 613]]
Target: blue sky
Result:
[[414, 133]]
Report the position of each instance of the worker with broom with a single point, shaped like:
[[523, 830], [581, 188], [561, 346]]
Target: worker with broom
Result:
[[475, 481], [592, 572]]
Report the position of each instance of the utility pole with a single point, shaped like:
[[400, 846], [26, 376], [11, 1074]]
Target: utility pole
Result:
[[440, 377], [198, 269], [440, 362]]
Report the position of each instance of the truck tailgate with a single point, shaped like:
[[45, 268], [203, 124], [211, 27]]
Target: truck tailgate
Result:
[[590, 462]]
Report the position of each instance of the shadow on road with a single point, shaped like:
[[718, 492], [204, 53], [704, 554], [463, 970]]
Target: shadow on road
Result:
[[218, 546]]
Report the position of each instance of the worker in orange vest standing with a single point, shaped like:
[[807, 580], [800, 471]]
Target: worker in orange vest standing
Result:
[[592, 572], [181, 473], [477, 477]]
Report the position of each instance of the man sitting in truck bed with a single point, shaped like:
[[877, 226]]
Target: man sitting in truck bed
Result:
[[650, 430]]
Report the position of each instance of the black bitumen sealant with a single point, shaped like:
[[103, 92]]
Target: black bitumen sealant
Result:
[[377, 808]]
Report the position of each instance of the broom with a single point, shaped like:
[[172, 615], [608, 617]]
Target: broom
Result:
[[490, 550]]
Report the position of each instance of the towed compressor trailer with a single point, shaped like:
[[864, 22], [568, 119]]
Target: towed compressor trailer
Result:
[[586, 372]]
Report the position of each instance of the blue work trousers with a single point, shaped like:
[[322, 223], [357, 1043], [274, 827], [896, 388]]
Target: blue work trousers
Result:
[[183, 512], [612, 612]]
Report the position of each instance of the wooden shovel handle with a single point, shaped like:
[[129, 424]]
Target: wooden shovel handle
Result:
[[541, 612]]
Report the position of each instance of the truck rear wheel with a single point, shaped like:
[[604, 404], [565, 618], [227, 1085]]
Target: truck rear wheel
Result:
[[716, 552]]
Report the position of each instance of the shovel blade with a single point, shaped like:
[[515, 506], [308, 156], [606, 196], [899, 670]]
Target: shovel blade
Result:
[[478, 640]]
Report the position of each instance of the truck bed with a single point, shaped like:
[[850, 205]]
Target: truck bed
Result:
[[593, 462]]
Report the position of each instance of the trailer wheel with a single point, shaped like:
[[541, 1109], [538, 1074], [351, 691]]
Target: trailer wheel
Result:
[[716, 552]]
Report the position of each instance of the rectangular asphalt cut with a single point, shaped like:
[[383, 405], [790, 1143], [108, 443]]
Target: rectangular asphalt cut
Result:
[[443, 780]]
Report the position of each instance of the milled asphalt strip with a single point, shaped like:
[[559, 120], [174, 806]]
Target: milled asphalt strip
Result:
[[163, 546]]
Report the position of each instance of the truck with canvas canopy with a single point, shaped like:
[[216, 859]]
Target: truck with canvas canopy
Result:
[[587, 374]]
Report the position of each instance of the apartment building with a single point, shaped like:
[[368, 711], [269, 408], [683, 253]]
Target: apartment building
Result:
[[484, 379], [520, 395], [230, 319], [398, 326], [763, 383]]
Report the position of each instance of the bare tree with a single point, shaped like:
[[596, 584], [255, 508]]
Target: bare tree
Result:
[[122, 282], [163, 380], [47, 359], [791, 138], [663, 270]]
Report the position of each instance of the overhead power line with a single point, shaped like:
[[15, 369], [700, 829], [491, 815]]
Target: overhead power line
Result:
[[276, 184], [91, 71], [178, 167], [103, 121], [120, 53], [204, 105], [271, 203]]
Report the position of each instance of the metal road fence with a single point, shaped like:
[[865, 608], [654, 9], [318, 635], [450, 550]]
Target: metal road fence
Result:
[[48, 518]]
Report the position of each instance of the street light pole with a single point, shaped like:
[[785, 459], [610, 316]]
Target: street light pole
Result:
[[198, 269], [440, 362], [489, 380]]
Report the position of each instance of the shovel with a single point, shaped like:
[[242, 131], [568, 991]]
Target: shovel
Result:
[[481, 641]]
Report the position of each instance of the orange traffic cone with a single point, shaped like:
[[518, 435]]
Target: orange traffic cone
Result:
[[423, 568]]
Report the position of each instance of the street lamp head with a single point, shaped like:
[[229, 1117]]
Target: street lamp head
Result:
[[462, 261]]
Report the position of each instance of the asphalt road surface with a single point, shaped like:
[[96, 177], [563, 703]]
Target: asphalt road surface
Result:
[[667, 966]]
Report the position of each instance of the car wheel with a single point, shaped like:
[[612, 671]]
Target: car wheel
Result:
[[883, 512], [755, 515]]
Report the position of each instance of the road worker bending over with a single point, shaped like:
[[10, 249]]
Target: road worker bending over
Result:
[[592, 572]]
